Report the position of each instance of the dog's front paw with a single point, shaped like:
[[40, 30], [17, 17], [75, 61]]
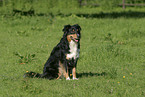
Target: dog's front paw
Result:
[[68, 78], [75, 78]]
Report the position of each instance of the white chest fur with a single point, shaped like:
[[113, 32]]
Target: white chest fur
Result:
[[74, 51]]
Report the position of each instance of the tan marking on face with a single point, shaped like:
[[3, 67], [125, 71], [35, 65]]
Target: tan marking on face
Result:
[[72, 35]]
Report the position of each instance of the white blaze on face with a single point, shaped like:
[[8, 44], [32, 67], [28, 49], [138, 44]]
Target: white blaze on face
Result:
[[74, 52]]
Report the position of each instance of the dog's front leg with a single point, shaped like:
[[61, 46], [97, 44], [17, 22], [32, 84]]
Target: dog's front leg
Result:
[[74, 73], [67, 74]]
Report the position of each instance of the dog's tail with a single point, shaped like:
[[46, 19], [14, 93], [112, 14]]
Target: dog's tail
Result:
[[32, 75]]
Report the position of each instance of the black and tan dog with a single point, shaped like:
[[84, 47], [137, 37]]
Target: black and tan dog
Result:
[[64, 56]]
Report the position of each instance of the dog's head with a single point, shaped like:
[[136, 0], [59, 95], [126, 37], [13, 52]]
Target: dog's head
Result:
[[72, 32]]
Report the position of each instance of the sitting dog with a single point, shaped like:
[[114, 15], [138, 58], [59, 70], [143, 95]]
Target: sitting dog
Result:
[[64, 56]]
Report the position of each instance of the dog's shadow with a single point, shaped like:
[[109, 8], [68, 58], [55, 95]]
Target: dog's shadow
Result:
[[84, 74]]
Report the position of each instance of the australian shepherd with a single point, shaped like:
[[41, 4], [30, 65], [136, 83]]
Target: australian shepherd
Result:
[[64, 56]]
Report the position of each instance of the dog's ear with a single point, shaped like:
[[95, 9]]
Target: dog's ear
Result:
[[66, 28], [78, 27]]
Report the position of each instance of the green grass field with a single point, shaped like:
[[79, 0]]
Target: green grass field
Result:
[[112, 58]]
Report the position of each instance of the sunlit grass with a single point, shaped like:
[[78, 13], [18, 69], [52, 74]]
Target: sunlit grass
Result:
[[111, 60]]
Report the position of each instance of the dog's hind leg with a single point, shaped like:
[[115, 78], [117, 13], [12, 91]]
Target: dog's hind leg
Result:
[[59, 72], [63, 70]]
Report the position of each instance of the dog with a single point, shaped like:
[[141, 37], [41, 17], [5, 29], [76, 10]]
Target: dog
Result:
[[64, 56]]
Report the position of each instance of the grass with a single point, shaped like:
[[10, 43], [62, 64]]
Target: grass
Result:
[[111, 61]]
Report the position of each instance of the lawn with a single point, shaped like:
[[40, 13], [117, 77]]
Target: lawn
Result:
[[112, 58]]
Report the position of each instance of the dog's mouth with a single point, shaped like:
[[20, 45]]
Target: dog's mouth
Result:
[[74, 39]]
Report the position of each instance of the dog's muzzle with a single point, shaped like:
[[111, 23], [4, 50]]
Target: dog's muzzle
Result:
[[74, 39]]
